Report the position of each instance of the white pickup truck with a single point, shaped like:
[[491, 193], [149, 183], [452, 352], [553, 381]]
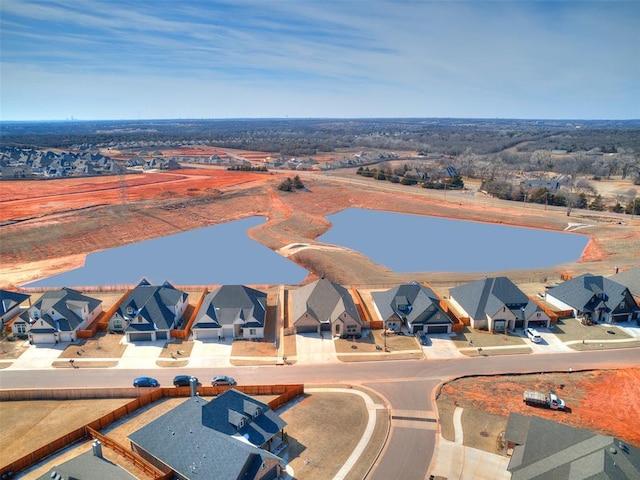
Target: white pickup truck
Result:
[[538, 399]]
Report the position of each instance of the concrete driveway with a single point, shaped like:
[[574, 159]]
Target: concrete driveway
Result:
[[312, 348]]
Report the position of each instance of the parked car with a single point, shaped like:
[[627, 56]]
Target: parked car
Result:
[[183, 380], [145, 382], [222, 380], [533, 335]]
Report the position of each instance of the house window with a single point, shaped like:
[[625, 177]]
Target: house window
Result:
[[117, 323], [21, 328], [129, 310], [351, 329], [252, 331]]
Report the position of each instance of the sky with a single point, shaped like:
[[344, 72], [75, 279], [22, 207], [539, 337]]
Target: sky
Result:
[[160, 59]]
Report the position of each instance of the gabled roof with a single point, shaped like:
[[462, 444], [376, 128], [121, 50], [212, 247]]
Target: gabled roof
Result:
[[260, 422], [584, 292], [423, 304], [324, 301], [64, 301], [548, 450], [181, 439], [152, 303], [488, 296], [232, 304], [630, 279], [10, 300]]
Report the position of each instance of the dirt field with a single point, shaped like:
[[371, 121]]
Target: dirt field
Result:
[[54, 228], [603, 401]]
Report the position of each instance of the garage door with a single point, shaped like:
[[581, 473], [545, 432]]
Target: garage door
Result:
[[139, 337], [307, 329], [437, 329], [162, 335], [204, 333]]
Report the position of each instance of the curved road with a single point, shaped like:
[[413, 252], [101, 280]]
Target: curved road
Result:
[[409, 386]]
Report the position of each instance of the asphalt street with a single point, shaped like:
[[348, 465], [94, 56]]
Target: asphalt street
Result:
[[408, 386]]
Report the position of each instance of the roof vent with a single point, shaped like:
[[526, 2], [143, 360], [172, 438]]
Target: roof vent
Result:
[[613, 450]]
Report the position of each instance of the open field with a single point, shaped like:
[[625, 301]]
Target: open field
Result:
[[602, 401]]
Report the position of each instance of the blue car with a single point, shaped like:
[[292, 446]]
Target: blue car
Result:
[[145, 382]]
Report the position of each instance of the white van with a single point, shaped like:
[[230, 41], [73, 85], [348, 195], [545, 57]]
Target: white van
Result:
[[533, 335]]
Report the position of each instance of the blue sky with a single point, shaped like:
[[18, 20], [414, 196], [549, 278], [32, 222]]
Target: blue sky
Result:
[[111, 59]]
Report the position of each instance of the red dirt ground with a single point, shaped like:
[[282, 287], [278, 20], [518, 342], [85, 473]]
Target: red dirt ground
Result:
[[25, 199], [605, 401]]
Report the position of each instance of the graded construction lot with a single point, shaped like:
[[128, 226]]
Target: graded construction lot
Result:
[[604, 401]]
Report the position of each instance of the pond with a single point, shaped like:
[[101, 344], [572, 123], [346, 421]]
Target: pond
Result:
[[224, 254], [221, 254], [414, 243]]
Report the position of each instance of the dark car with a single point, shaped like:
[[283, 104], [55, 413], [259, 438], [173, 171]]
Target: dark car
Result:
[[424, 339], [183, 380], [145, 382], [222, 380]]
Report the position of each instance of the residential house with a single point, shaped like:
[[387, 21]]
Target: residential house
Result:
[[496, 304], [231, 437], [57, 316], [87, 466], [415, 306], [325, 306], [149, 312], [10, 305], [547, 450], [631, 279], [232, 311], [594, 298]]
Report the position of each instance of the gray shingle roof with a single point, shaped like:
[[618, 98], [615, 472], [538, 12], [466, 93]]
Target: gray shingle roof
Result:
[[183, 440], [64, 301], [151, 302], [630, 279], [324, 301], [231, 303], [10, 300], [488, 296], [548, 450], [423, 304], [87, 466], [584, 292]]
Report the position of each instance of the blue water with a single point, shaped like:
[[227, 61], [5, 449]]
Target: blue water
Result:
[[414, 243], [222, 254]]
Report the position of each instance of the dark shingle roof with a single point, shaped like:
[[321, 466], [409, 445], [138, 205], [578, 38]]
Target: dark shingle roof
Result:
[[230, 303], [548, 450], [582, 292], [181, 439], [10, 300], [324, 301], [64, 301], [488, 296], [630, 279], [151, 302], [424, 304], [87, 466]]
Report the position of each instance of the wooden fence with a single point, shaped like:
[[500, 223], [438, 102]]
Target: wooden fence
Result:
[[145, 397], [140, 463], [184, 333], [102, 322]]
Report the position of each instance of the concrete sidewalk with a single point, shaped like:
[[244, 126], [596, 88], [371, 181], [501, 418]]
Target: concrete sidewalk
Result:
[[453, 460]]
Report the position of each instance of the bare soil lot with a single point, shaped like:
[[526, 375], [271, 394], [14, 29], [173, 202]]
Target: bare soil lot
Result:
[[590, 397]]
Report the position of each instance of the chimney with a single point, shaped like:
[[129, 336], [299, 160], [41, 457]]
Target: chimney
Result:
[[193, 386], [96, 446]]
